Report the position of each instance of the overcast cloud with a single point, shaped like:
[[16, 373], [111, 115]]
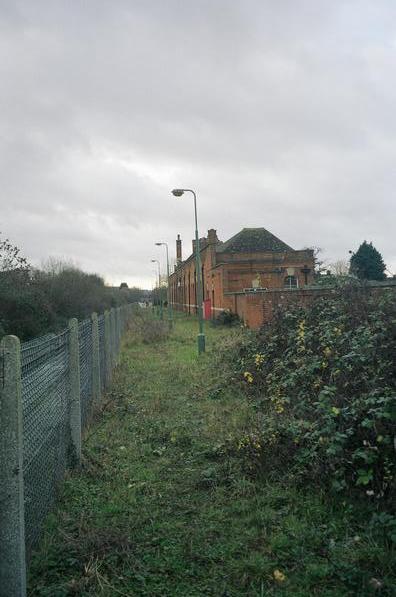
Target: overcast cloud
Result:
[[278, 113]]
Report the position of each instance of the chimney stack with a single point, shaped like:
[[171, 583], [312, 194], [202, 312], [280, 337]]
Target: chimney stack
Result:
[[212, 237], [178, 249]]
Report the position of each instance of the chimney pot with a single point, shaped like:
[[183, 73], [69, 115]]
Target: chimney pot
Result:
[[212, 237], [178, 249]]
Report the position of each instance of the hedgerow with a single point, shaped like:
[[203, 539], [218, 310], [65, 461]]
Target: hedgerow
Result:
[[322, 379]]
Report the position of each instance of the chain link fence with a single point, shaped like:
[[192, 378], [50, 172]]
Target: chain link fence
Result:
[[45, 414], [86, 371], [40, 434], [102, 351]]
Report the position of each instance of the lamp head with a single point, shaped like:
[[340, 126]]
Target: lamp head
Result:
[[159, 244], [177, 192]]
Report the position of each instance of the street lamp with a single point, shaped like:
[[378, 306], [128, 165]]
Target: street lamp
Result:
[[159, 285], [201, 335], [168, 294]]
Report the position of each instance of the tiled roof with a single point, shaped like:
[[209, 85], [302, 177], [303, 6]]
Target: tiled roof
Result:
[[253, 240]]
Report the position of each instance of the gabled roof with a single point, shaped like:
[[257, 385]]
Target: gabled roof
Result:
[[253, 240]]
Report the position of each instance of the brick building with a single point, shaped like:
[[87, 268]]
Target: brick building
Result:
[[252, 261]]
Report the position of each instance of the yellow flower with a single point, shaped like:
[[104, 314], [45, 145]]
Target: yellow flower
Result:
[[301, 336], [301, 329], [248, 376], [259, 359], [327, 351], [335, 410], [279, 576]]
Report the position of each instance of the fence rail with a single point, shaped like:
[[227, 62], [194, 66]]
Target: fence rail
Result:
[[49, 389]]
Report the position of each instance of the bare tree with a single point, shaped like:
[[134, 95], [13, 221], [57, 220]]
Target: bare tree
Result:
[[339, 267], [11, 259], [56, 265]]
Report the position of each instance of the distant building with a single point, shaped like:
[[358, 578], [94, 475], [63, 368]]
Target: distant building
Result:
[[252, 261]]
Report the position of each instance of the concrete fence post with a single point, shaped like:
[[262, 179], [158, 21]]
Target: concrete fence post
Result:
[[122, 312], [110, 343], [115, 320], [12, 515], [107, 345], [95, 361], [113, 339], [126, 312], [119, 333], [124, 319], [75, 398]]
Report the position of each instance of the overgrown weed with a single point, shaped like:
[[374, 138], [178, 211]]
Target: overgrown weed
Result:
[[172, 509], [146, 327]]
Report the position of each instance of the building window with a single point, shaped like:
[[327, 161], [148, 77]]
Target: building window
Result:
[[291, 282]]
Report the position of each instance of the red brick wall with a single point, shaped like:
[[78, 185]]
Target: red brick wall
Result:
[[258, 308]]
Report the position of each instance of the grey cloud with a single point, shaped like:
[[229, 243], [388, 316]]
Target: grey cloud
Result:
[[280, 114]]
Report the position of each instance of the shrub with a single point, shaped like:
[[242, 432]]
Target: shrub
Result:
[[226, 318], [34, 302], [147, 327], [154, 330], [322, 379]]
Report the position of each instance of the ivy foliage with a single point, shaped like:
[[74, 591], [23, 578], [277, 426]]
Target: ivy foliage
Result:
[[322, 379]]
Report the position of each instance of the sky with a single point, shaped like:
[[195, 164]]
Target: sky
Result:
[[278, 113]]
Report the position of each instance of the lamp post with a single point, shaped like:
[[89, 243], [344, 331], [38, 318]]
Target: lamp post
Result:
[[159, 285], [201, 335], [168, 294]]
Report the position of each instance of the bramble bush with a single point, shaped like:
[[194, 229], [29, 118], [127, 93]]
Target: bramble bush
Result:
[[322, 380]]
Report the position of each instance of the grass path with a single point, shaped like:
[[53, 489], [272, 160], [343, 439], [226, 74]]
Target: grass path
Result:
[[160, 509]]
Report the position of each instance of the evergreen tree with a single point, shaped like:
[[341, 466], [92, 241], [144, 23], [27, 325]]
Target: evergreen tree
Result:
[[367, 263]]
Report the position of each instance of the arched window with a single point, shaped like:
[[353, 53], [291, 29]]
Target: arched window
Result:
[[291, 282]]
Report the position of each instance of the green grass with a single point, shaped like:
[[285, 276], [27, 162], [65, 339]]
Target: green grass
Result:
[[160, 508]]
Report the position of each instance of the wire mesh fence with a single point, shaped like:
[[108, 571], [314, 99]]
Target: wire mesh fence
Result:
[[102, 354], [45, 413], [86, 364], [37, 428]]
